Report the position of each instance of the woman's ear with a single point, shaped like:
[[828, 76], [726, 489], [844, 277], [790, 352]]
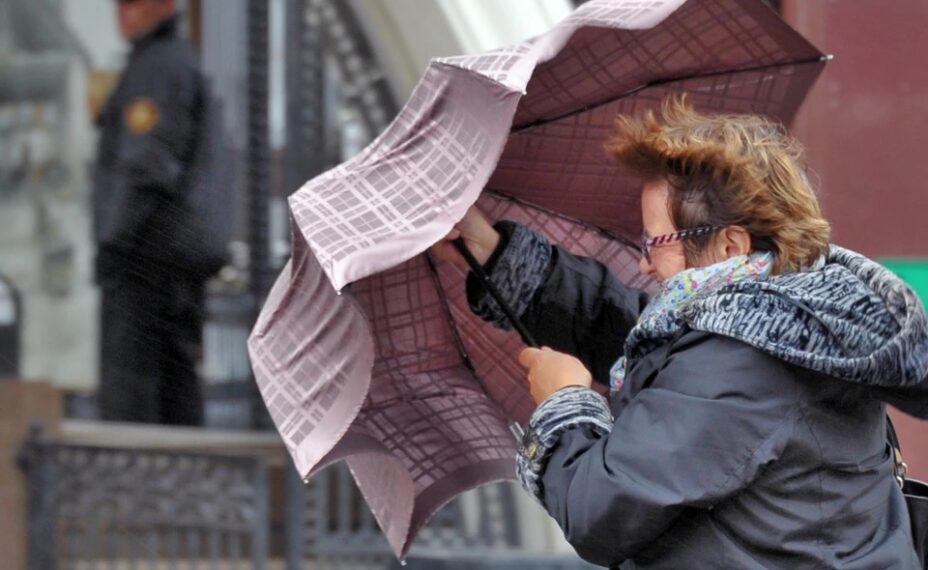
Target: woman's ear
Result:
[[731, 241], [737, 241]]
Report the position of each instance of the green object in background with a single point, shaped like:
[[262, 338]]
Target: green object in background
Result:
[[912, 271]]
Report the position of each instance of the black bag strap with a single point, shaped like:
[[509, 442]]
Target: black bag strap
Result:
[[901, 468]]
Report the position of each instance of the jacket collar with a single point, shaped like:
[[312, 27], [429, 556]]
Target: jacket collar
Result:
[[167, 28]]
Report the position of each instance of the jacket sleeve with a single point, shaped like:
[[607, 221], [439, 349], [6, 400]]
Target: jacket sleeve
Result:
[[155, 150], [155, 144], [716, 414], [570, 303]]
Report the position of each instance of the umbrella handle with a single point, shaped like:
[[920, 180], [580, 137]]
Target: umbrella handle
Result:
[[494, 292], [527, 338]]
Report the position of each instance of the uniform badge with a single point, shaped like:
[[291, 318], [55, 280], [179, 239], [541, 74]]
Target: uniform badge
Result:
[[141, 115]]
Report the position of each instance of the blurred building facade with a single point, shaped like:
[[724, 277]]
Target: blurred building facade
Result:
[[44, 217]]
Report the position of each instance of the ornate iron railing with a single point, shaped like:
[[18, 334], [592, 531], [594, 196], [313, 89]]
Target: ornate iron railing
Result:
[[338, 530], [94, 507]]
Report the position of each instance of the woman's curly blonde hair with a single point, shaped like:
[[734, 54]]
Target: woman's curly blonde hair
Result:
[[726, 170]]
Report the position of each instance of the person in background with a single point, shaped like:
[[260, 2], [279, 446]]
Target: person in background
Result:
[[747, 422], [152, 298]]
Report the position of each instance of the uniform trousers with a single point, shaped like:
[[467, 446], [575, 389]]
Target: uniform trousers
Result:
[[151, 342]]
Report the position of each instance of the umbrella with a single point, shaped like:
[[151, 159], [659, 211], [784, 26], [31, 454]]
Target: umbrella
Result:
[[365, 349]]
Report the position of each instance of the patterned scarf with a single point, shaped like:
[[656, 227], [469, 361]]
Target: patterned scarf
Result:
[[661, 317]]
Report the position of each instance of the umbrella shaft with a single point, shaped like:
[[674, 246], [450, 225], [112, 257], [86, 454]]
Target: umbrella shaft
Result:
[[494, 292]]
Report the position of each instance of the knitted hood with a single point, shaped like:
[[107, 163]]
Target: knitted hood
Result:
[[850, 318]]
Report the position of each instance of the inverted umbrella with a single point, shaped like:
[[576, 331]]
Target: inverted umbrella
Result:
[[366, 350]]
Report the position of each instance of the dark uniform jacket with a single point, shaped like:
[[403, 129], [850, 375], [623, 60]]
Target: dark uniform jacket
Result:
[[714, 453], [150, 129]]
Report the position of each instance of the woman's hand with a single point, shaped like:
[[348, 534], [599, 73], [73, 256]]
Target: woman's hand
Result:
[[479, 236], [549, 371]]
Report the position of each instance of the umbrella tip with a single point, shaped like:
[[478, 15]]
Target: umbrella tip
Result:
[[828, 57]]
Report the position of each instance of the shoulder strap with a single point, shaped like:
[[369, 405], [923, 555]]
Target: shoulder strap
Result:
[[901, 467]]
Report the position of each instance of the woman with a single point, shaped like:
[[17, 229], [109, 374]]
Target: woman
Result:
[[746, 427]]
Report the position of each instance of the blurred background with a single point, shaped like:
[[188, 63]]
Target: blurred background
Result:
[[301, 86]]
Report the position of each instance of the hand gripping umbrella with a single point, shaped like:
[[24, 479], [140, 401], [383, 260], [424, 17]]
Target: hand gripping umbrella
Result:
[[366, 350]]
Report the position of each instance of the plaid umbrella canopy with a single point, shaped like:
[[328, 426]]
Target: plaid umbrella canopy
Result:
[[366, 350]]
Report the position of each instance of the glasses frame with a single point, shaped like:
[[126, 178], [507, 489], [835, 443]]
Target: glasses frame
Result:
[[646, 242]]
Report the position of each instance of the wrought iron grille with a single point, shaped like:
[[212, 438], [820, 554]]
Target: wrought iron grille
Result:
[[101, 507], [362, 84], [337, 100], [338, 97], [92, 507], [337, 529]]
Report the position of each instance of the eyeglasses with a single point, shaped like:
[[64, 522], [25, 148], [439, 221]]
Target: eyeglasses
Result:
[[647, 242]]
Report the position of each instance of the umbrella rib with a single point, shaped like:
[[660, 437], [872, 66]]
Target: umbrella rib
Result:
[[458, 340], [592, 227], [514, 426], [377, 406], [657, 82]]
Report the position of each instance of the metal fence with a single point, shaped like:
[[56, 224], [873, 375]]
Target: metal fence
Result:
[[102, 507], [93, 507], [337, 530]]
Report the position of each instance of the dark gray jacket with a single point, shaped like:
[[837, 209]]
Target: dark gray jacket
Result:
[[714, 453], [155, 139]]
